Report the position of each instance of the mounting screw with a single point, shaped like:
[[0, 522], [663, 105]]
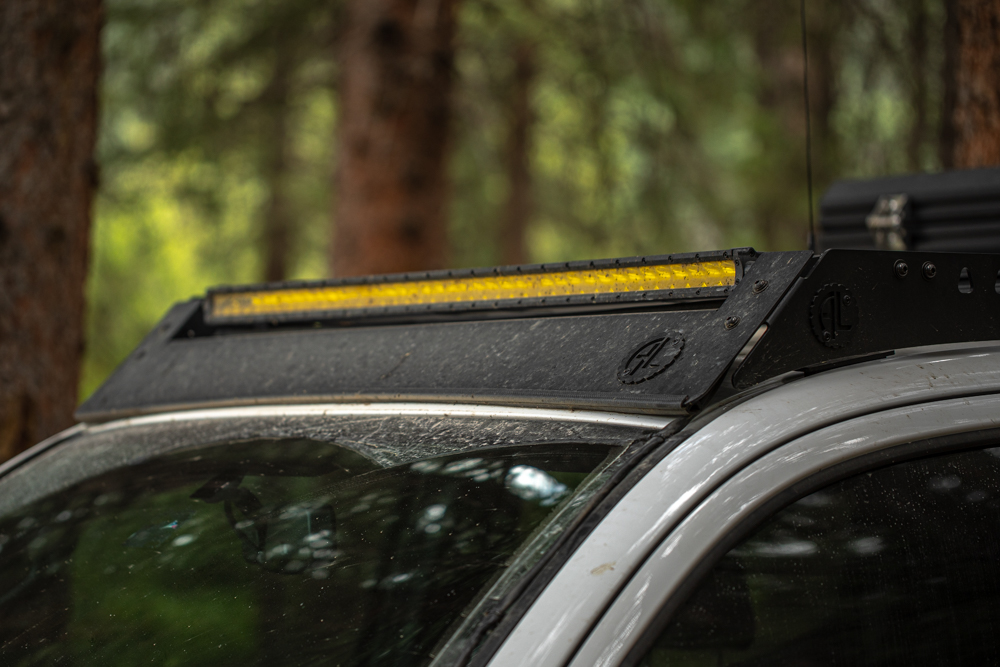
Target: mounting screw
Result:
[[731, 322], [929, 270], [759, 286], [901, 268], [848, 299], [827, 336]]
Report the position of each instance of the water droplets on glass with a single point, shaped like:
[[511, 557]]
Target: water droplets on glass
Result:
[[184, 540], [944, 483], [785, 548], [866, 546], [530, 483]]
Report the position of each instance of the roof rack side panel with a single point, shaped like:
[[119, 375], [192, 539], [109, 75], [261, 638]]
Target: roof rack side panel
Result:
[[660, 358], [855, 303]]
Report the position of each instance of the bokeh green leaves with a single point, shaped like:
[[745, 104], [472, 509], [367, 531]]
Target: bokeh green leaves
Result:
[[658, 126]]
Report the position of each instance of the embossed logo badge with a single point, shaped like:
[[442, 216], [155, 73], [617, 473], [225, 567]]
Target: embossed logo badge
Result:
[[652, 358], [833, 314]]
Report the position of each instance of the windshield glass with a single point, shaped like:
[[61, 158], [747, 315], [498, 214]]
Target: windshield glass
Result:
[[278, 550]]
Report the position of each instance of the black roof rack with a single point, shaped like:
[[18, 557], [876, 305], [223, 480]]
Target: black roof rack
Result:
[[657, 350]]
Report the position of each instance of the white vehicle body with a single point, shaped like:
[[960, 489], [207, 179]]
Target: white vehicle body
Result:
[[608, 593]]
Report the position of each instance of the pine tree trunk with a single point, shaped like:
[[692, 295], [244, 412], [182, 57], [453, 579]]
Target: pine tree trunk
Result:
[[824, 25], [918, 84], [781, 93], [976, 117], [279, 223], [949, 81], [393, 139], [513, 243], [49, 65]]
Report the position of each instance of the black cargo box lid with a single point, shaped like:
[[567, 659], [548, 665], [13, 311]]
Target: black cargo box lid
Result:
[[953, 211]]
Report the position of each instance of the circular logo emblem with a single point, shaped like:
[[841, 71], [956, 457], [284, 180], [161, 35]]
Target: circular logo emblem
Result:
[[833, 314], [651, 359]]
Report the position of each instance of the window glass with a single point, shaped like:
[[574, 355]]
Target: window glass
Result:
[[271, 552], [899, 566]]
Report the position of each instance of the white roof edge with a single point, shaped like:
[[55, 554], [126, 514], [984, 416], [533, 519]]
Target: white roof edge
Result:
[[411, 409]]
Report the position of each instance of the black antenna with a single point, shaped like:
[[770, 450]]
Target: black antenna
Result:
[[809, 161]]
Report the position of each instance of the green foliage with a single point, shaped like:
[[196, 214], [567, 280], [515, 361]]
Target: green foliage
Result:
[[659, 126], [186, 145], [151, 587]]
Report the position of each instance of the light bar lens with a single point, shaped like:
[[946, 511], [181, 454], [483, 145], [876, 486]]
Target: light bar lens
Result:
[[618, 280]]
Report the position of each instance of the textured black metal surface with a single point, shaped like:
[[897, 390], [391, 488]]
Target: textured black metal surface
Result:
[[883, 311], [571, 361], [956, 211]]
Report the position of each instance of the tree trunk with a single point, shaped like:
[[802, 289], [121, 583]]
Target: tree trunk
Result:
[[513, 245], [49, 65], [824, 26], [976, 117], [949, 81], [395, 108], [918, 83], [279, 228], [781, 93]]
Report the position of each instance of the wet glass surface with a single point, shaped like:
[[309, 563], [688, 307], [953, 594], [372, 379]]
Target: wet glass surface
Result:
[[899, 566], [272, 552]]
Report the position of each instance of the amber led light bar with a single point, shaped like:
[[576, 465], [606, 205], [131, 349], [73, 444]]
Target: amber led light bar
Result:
[[515, 289]]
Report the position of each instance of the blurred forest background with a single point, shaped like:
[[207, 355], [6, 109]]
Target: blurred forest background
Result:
[[150, 149], [579, 129]]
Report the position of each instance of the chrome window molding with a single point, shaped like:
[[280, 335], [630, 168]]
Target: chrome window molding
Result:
[[392, 409]]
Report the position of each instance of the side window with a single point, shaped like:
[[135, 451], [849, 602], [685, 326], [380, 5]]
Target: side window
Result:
[[899, 566]]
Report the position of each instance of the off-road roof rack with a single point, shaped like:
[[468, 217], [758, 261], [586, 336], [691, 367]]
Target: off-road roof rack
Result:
[[646, 334]]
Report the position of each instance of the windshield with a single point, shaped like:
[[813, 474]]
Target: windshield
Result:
[[276, 550]]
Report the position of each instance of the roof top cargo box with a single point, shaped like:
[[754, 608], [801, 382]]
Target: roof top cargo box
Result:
[[954, 211]]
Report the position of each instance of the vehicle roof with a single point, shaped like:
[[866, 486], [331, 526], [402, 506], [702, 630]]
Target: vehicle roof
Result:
[[776, 313]]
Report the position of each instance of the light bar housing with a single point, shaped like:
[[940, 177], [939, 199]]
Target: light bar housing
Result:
[[619, 281]]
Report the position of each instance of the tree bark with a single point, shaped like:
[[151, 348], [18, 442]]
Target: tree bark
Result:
[[279, 227], [824, 25], [949, 81], [393, 137], [513, 244], [781, 94], [49, 65], [918, 83], [976, 117]]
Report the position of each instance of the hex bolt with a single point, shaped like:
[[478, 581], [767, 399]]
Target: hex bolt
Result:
[[759, 286], [929, 270], [732, 321], [901, 268]]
